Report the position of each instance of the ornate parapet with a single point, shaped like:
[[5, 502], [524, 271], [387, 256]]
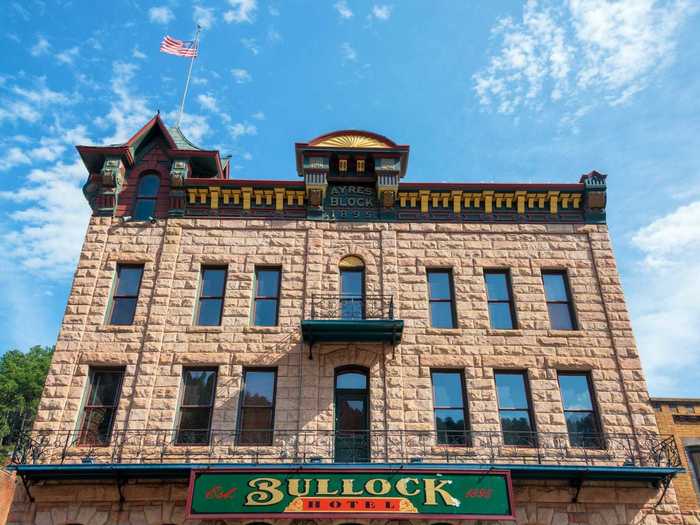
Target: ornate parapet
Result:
[[595, 196], [179, 170], [102, 189]]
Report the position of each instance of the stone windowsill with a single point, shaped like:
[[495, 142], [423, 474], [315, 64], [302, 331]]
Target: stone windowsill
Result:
[[252, 329], [124, 328], [196, 329], [443, 331], [565, 333], [517, 332]]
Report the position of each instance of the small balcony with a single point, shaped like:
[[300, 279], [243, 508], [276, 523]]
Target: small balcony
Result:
[[348, 318]]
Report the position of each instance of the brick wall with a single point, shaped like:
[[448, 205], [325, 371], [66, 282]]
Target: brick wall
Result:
[[683, 432]]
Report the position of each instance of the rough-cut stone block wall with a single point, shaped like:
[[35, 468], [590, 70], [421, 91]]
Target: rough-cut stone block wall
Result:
[[163, 339]]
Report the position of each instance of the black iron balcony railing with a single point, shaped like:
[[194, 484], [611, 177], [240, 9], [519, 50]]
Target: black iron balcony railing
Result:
[[352, 307], [343, 318], [292, 446]]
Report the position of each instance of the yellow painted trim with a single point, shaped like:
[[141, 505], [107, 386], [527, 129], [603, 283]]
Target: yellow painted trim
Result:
[[488, 201], [520, 199], [203, 196], [553, 197], [247, 193], [351, 261], [279, 199], [215, 192], [424, 196], [457, 201]]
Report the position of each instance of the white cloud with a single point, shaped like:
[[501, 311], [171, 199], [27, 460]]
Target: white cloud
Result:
[[68, 56], [241, 11], [242, 128], [137, 53], [241, 76], [381, 12], [251, 45], [42, 47], [208, 102], [128, 112], [343, 9], [258, 115], [161, 14], [204, 16], [594, 48], [348, 52], [667, 323], [194, 127], [50, 230], [13, 157], [247, 156]]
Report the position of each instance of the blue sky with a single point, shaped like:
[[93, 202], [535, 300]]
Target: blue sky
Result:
[[482, 91]]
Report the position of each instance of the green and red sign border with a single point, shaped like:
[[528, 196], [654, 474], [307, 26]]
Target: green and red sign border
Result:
[[340, 515]]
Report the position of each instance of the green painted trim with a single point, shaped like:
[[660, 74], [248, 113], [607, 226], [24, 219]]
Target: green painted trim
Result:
[[353, 330]]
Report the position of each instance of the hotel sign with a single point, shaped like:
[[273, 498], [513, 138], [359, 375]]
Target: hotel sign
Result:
[[319, 493]]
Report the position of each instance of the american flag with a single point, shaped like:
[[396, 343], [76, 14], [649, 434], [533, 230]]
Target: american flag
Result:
[[180, 48]]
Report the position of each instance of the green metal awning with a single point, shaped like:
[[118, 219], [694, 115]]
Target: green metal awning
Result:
[[81, 471], [352, 330]]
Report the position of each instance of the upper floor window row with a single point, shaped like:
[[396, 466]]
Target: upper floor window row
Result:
[[499, 296], [267, 286], [210, 296]]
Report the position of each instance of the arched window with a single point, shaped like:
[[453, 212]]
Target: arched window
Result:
[[352, 288], [146, 196], [352, 437]]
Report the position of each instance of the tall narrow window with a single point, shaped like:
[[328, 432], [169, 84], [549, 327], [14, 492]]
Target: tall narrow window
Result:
[[352, 288], [558, 295], [211, 295], [694, 462], [514, 409], [500, 299], [451, 415], [256, 417], [100, 406], [267, 293], [579, 410], [146, 197], [441, 298], [196, 406], [126, 293]]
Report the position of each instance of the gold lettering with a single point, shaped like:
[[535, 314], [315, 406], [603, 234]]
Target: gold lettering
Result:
[[434, 487], [348, 488], [293, 487], [402, 486], [267, 493], [371, 488], [322, 488]]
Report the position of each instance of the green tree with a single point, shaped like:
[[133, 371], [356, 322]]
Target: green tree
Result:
[[22, 376]]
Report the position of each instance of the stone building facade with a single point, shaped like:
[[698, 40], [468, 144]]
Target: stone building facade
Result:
[[380, 295]]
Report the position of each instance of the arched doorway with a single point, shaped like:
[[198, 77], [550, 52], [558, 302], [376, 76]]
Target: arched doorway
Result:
[[352, 436]]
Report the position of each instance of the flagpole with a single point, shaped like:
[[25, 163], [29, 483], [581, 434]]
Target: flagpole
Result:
[[189, 74]]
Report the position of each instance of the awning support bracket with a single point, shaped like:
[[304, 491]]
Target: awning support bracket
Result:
[[578, 484], [27, 484], [665, 483]]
